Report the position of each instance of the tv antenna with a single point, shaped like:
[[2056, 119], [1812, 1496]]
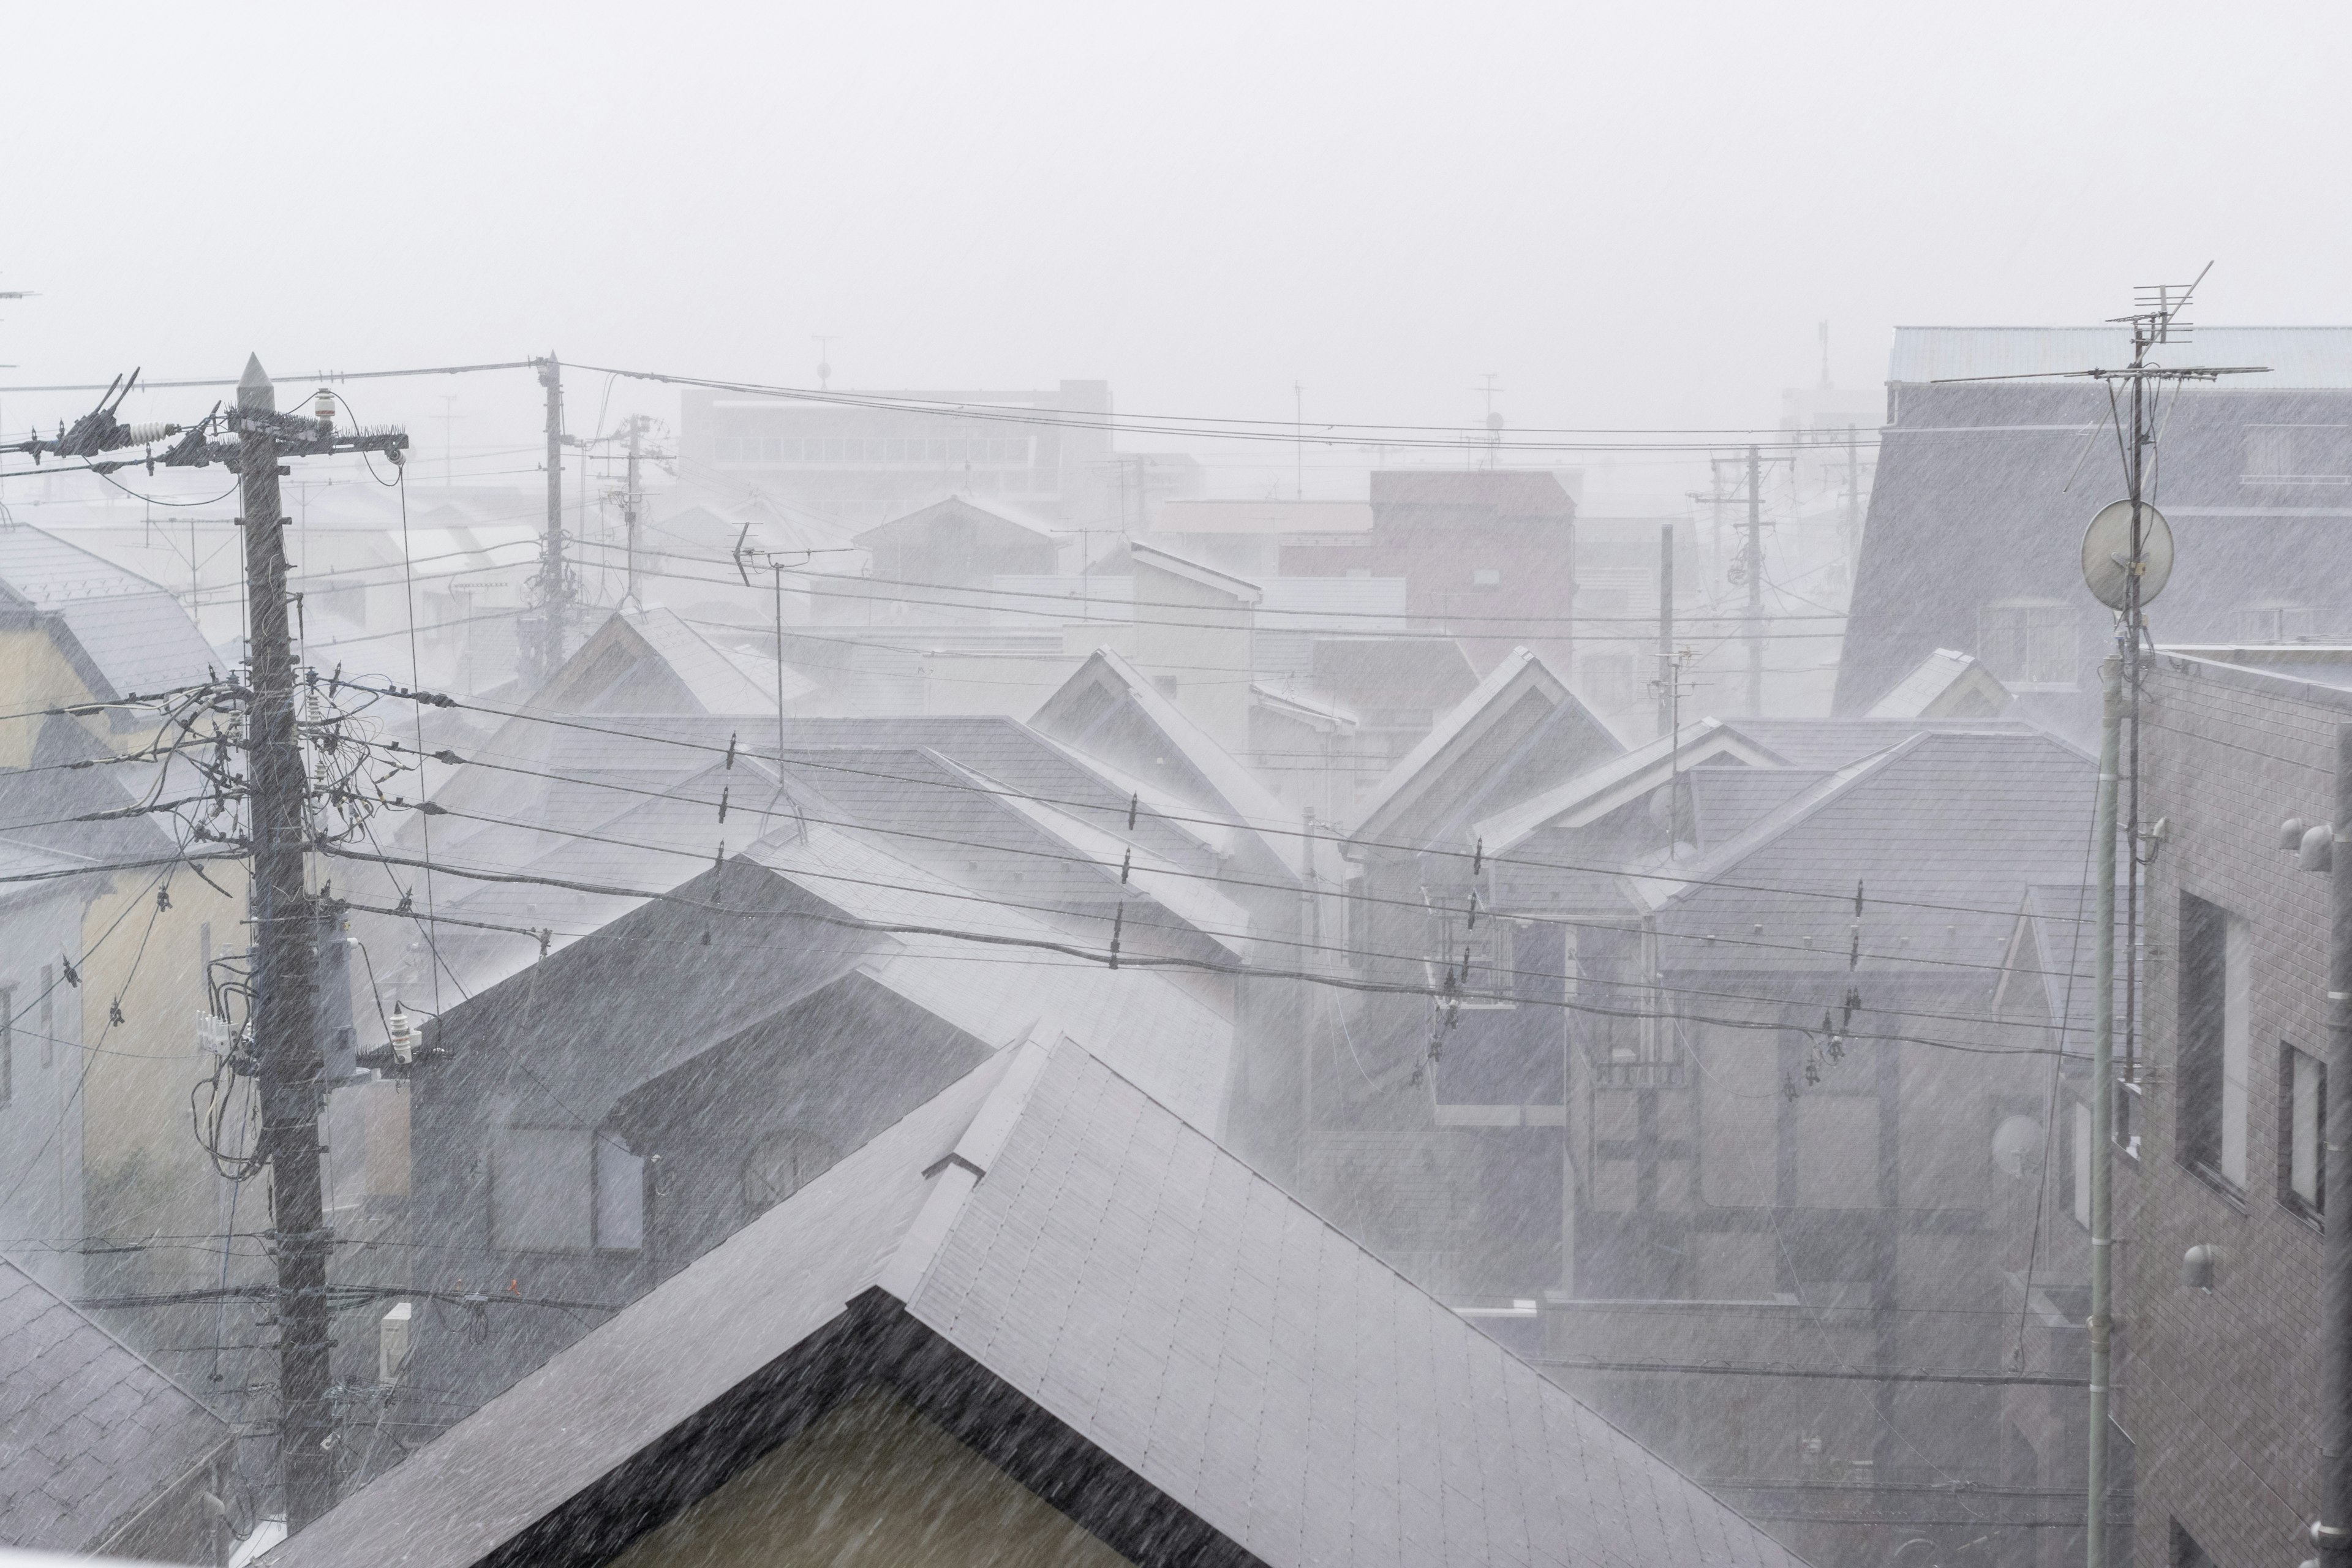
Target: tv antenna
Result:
[[824, 359], [2126, 559]]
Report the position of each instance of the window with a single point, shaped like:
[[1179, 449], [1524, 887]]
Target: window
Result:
[[2213, 1040], [564, 1189], [2081, 1162], [2302, 1131], [1478, 960], [620, 1197], [8, 1044], [1485, 577], [2029, 644], [2298, 454]]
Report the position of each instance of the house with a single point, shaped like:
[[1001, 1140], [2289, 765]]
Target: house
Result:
[[104, 1453], [1040, 1319], [1195, 636], [2220, 1136], [583, 1124], [1600, 1103], [1484, 554], [1983, 490], [873, 455], [650, 659], [955, 544], [1948, 684]]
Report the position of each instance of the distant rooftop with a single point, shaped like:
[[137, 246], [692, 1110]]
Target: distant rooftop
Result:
[[2299, 356]]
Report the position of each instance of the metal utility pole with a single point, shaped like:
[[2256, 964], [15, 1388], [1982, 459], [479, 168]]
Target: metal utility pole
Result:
[[1666, 628], [1753, 558], [554, 578], [2331, 1532], [2103, 1103]]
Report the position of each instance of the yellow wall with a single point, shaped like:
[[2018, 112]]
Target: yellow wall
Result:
[[146, 1174], [875, 1484]]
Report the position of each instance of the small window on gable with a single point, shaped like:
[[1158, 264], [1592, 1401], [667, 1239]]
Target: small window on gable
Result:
[[565, 1189], [2029, 644]]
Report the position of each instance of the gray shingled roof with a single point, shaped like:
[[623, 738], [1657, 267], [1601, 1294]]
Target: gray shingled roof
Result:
[[1954, 826], [1148, 1291], [134, 631], [88, 1432]]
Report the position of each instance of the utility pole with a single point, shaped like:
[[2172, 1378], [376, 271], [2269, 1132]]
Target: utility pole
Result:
[[632, 501], [2103, 1104], [285, 973], [554, 579], [1752, 558], [1852, 492], [1666, 628], [286, 1041], [2331, 1532], [1298, 439]]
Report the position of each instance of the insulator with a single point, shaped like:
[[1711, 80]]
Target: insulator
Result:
[[405, 1034], [147, 434]]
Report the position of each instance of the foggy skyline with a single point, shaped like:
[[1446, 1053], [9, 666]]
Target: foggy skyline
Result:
[[1630, 218]]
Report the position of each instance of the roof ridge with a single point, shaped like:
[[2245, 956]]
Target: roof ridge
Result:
[[955, 1175]]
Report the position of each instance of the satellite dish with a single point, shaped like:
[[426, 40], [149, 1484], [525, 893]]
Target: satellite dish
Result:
[[2107, 554]]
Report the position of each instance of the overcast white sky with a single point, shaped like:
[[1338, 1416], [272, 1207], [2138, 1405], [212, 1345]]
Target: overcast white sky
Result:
[[1631, 214]]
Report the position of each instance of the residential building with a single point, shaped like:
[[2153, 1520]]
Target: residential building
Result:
[[1692, 1122], [2221, 1137], [1984, 490], [1042, 1318], [864, 457], [1486, 556]]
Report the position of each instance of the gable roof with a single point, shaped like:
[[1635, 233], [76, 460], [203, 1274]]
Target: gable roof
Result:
[[1948, 684], [1597, 791], [959, 509], [94, 1432], [1144, 554], [1113, 1269], [134, 633], [1963, 821], [1232, 786], [1520, 678], [638, 643]]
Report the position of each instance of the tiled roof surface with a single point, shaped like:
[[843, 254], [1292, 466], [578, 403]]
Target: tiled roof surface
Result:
[[91, 1431], [1146, 1289], [1954, 824]]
